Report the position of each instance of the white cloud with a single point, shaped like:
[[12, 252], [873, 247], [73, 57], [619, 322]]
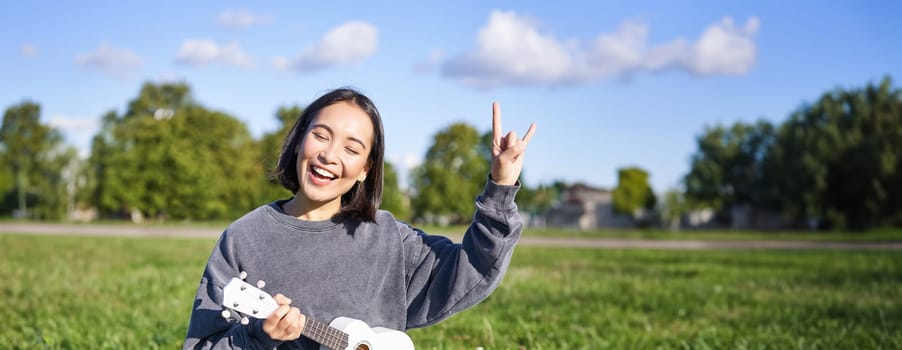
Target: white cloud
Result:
[[725, 49], [199, 52], [240, 19], [623, 52], [120, 62], [30, 50], [349, 43], [511, 50]]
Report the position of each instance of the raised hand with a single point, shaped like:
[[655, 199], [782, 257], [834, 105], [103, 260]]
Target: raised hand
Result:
[[507, 150]]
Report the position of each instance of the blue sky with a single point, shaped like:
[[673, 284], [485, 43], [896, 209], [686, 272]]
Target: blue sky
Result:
[[610, 83]]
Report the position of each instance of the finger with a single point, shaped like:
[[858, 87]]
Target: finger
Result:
[[281, 299], [293, 323], [528, 136], [293, 315], [496, 121], [512, 153], [510, 140], [273, 320], [279, 312]]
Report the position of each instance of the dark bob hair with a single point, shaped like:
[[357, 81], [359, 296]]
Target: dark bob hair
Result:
[[362, 200]]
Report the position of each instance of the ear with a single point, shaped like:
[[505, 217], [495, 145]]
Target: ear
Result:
[[362, 176]]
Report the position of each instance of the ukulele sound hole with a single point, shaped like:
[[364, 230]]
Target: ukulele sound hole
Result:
[[363, 347]]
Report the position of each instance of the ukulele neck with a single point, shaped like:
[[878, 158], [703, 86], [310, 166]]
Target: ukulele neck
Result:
[[324, 334]]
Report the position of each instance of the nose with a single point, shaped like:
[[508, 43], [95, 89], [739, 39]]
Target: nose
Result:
[[327, 155]]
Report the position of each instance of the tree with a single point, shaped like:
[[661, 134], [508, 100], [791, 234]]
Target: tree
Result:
[[53, 197], [30, 150], [270, 147], [728, 167], [393, 199], [168, 157], [839, 160], [452, 174], [673, 208], [527, 198], [547, 196], [8, 196], [835, 163], [633, 194]]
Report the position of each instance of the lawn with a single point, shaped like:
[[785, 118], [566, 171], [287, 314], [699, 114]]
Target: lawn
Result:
[[64, 292], [876, 235]]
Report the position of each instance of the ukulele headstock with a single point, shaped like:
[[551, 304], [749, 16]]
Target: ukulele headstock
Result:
[[246, 299]]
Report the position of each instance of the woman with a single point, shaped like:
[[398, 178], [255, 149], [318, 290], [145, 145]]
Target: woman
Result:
[[328, 252]]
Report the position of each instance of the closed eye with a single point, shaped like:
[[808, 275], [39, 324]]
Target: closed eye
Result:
[[351, 150]]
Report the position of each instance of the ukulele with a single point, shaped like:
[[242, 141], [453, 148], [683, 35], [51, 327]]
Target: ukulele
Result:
[[343, 333]]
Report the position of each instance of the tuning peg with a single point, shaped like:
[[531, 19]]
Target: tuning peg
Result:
[[260, 284], [243, 274], [245, 321], [226, 314]]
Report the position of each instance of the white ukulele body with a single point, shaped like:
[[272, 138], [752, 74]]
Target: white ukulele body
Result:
[[362, 337]]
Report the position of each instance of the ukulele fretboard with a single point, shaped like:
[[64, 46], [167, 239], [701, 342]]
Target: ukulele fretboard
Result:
[[325, 335]]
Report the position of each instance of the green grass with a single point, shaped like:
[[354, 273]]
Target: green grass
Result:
[[708, 234], [96, 292], [152, 223], [591, 299], [64, 292], [875, 235]]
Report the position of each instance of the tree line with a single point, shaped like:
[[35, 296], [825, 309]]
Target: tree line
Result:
[[832, 164], [167, 157]]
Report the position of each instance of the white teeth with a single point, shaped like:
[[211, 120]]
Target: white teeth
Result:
[[324, 173]]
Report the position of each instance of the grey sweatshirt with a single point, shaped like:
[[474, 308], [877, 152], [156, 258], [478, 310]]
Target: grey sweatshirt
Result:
[[385, 273]]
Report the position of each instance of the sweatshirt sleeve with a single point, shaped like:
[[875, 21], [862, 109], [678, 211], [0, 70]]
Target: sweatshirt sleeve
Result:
[[445, 278], [207, 329]]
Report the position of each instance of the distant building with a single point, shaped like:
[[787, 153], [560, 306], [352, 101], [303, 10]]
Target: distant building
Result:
[[740, 217], [749, 217], [699, 218], [584, 207]]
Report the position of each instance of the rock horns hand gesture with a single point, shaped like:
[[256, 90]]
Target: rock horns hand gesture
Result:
[[507, 150]]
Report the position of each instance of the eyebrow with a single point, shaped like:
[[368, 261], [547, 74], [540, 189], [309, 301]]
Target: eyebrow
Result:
[[352, 138]]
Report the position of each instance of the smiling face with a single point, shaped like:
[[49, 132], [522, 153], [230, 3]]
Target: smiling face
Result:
[[333, 155]]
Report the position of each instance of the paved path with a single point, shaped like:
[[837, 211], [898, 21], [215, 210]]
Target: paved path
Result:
[[597, 243]]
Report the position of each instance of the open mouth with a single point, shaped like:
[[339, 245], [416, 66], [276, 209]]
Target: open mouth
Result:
[[322, 174]]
